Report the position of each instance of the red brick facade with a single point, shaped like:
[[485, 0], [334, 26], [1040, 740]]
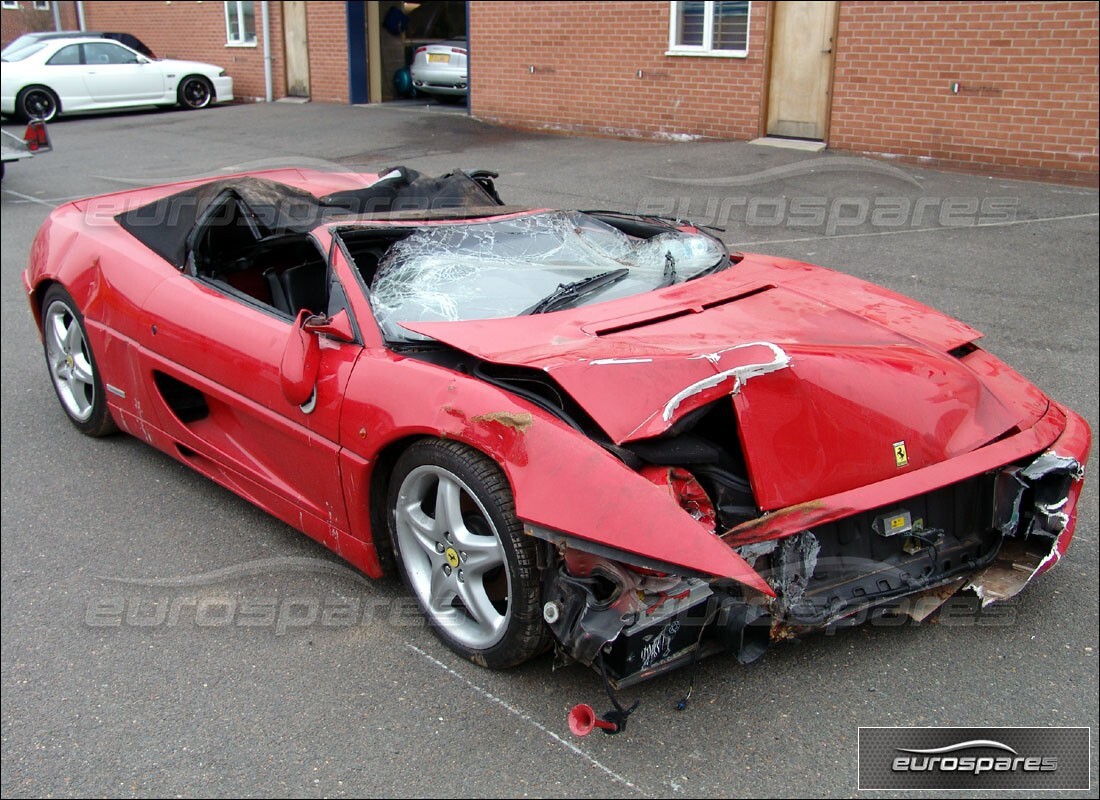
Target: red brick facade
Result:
[[586, 59], [327, 27], [1027, 74]]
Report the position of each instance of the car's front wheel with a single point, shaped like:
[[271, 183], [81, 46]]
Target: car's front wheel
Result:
[[72, 365], [195, 92], [36, 102], [462, 552]]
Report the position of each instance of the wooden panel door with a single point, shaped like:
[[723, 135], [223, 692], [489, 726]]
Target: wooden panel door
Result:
[[799, 89], [297, 48]]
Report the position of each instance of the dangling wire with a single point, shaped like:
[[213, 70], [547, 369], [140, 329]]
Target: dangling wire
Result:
[[619, 715], [682, 703]]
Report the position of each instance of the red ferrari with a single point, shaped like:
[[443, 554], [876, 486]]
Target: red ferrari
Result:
[[592, 430]]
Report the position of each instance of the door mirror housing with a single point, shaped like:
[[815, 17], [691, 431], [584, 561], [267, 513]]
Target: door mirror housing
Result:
[[302, 356], [301, 361]]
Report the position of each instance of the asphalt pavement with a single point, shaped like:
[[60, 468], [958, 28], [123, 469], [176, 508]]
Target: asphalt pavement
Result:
[[163, 637]]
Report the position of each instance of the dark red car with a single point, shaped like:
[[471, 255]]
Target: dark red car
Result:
[[594, 430]]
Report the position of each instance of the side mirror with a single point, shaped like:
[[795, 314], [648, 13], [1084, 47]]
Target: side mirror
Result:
[[301, 361], [337, 327], [302, 356]]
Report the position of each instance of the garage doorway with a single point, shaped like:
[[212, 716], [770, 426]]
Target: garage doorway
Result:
[[296, 43], [396, 30], [801, 69]]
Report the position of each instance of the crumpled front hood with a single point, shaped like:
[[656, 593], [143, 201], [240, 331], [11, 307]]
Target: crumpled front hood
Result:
[[836, 383]]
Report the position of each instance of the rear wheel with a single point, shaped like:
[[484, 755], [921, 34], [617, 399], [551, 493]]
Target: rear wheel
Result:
[[72, 366], [462, 552], [36, 102], [195, 91]]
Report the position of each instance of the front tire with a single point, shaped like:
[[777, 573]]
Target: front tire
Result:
[[195, 92], [72, 365], [461, 550], [36, 102]]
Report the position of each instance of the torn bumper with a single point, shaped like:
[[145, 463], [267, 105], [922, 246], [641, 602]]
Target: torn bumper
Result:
[[989, 533], [1041, 513]]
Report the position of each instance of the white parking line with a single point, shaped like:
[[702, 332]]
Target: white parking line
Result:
[[28, 199], [511, 709], [924, 230]]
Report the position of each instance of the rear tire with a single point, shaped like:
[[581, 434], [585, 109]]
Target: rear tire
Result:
[[37, 102], [72, 365]]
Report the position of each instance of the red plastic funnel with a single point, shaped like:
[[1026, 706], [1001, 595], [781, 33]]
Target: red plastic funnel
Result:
[[582, 719]]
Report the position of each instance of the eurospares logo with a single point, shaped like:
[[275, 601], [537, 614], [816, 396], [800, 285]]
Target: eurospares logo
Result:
[[974, 758], [954, 758]]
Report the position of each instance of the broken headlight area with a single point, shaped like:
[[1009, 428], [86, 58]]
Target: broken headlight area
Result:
[[699, 462]]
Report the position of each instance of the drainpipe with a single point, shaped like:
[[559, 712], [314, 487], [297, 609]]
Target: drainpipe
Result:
[[56, 16], [266, 16], [80, 15]]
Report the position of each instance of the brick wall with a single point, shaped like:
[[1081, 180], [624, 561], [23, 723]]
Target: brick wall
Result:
[[586, 58], [327, 28], [14, 22], [196, 31], [1027, 74]]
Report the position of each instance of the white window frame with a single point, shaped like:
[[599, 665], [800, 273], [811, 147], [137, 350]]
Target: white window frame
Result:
[[9, 4], [41, 5], [707, 48], [238, 37]]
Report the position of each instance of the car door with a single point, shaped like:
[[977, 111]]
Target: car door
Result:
[[64, 73], [114, 74], [214, 358]]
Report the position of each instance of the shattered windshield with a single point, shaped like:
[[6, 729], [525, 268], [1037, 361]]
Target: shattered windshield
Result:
[[528, 265]]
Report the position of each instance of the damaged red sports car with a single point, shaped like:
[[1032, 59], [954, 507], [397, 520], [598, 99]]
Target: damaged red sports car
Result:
[[593, 430]]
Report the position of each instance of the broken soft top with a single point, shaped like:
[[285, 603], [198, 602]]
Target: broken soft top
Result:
[[165, 224]]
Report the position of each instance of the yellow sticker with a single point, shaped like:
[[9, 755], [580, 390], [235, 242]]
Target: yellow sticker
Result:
[[897, 522], [901, 457], [452, 556]]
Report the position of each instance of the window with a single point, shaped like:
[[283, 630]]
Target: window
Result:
[[13, 53], [240, 23], [66, 56], [709, 28], [41, 5], [106, 53], [9, 4]]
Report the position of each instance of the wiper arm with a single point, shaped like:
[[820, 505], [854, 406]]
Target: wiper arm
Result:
[[568, 293], [669, 276]]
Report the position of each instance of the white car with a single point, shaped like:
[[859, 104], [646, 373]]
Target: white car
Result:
[[440, 70], [60, 76]]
